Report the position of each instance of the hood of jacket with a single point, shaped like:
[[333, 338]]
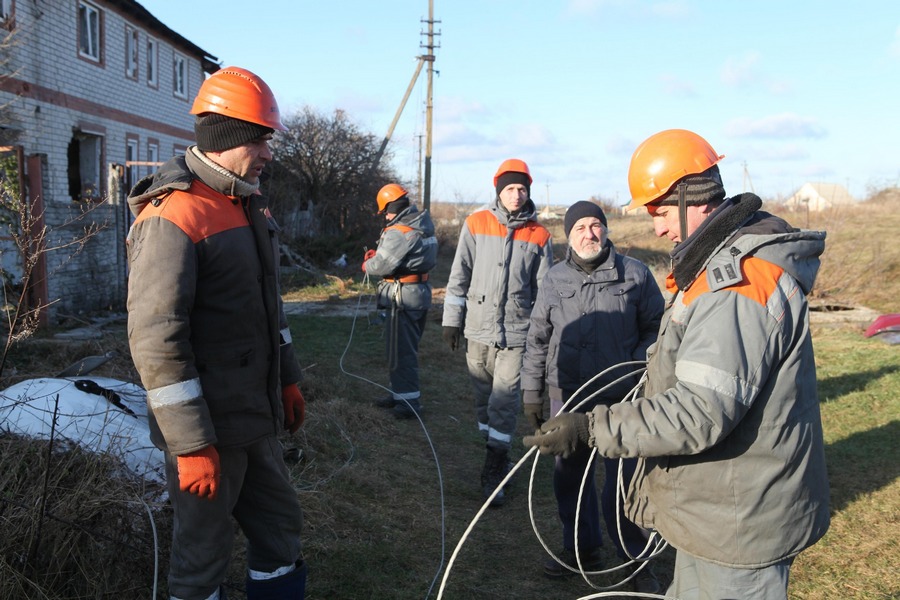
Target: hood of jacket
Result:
[[738, 229], [414, 218], [770, 238], [179, 172]]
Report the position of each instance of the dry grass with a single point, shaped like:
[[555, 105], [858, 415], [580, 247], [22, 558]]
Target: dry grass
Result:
[[382, 515]]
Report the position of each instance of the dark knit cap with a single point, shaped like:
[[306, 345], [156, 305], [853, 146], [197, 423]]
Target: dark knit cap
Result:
[[580, 210], [215, 132], [699, 189], [397, 206], [511, 177]]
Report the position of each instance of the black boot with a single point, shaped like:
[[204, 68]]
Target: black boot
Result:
[[291, 586], [496, 466]]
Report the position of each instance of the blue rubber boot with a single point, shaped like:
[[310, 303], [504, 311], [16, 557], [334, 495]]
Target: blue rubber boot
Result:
[[291, 586]]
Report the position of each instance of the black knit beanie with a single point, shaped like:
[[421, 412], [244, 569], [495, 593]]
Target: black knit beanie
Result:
[[215, 132], [580, 210], [511, 177], [700, 189], [397, 206]]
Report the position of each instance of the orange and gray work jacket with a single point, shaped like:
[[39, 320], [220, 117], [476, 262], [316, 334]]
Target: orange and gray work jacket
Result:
[[728, 431], [500, 261], [207, 331], [407, 251]]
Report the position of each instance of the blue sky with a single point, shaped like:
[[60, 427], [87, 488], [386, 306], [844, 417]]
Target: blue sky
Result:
[[789, 91]]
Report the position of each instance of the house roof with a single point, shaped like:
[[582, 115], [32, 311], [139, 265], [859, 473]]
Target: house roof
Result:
[[209, 62], [833, 193]]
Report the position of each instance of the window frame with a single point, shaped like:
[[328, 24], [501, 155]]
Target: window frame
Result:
[[179, 79], [88, 48], [152, 155], [132, 52], [8, 14], [152, 62], [97, 135]]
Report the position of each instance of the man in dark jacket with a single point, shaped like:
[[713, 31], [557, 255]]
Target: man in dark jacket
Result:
[[596, 311], [406, 252], [210, 340], [731, 468]]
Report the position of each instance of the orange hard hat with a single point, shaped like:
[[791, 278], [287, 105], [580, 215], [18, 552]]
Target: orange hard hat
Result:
[[388, 194], [512, 165], [664, 158], [240, 94]]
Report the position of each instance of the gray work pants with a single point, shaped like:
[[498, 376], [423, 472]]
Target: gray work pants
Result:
[[496, 375], [404, 330], [256, 490], [697, 579]]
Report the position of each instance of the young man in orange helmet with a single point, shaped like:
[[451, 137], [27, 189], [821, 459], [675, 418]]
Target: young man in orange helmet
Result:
[[406, 252], [731, 467], [210, 340], [501, 258]]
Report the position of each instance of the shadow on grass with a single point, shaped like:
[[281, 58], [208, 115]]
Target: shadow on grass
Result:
[[834, 388], [862, 463]]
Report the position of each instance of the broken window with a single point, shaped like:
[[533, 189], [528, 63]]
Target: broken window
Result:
[[84, 154]]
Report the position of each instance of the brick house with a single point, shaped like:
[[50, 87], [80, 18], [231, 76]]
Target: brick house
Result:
[[93, 94]]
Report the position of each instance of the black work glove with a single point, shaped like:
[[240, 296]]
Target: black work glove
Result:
[[563, 435], [533, 408], [451, 336]]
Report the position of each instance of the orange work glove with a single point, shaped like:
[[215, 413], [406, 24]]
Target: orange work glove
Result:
[[369, 254], [199, 472], [294, 407]]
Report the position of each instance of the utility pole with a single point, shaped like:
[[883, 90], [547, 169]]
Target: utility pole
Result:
[[429, 58], [747, 178], [419, 162]]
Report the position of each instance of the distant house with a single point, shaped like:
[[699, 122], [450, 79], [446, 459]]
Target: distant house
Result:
[[93, 95], [817, 197]]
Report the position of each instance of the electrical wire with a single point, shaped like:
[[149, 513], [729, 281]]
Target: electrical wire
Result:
[[155, 549], [421, 424], [655, 544]]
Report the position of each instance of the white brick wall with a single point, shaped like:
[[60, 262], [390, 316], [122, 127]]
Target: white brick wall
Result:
[[53, 92]]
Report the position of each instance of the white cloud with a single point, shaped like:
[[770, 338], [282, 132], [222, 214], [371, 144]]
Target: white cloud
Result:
[[674, 86], [894, 46], [674, 8], [740, 71], [786, 125]]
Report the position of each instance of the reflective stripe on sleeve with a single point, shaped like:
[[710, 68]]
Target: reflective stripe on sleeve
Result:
[[718, 380], [455, 300], [176, 393]]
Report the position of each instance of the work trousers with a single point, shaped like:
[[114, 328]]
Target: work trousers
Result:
[[255, 488], [568, 474], [404, 330], [496, 375], [697, 579]]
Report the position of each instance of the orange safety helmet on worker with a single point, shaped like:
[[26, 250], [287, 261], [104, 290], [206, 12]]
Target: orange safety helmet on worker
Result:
[[390, 193], [663, 159], [512, 165], [675, 158], [237, 93]]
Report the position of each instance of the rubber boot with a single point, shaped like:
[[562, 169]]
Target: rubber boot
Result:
[[291, 586], [496, 466]]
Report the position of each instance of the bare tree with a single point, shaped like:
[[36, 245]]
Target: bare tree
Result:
[[329, 162], [32, 239]]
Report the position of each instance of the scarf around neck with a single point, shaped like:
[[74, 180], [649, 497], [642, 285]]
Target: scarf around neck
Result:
[[690, 256]]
